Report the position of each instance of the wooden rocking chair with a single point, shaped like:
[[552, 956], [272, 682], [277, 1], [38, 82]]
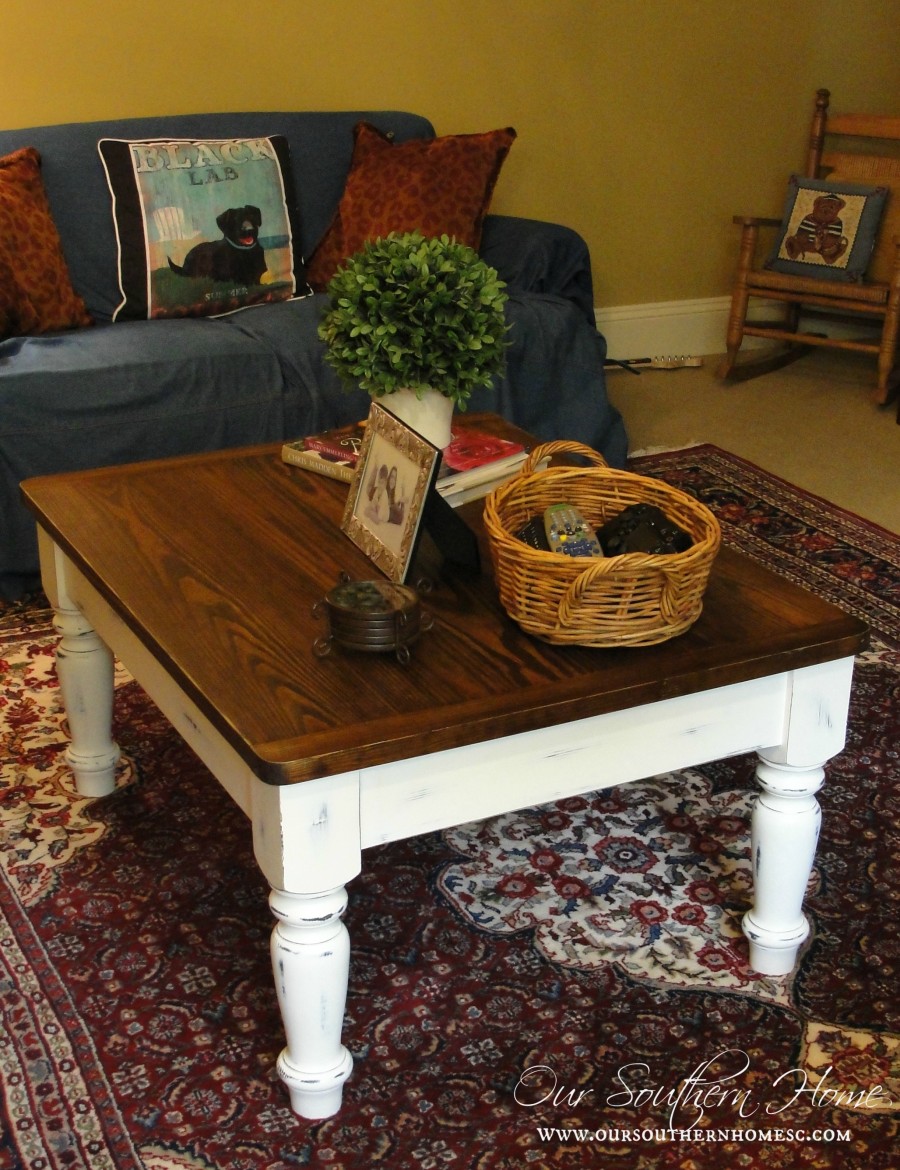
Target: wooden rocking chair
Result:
[[876, 297]]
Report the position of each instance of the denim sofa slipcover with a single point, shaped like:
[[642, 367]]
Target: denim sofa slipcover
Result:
[[131, 390]]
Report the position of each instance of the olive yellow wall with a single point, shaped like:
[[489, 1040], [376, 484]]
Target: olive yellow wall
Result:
[[644, 124]]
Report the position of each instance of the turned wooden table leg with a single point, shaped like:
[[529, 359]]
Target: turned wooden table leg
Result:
[[85, 667], [307, 842], [311, 963], [786, 815], [784, 834]]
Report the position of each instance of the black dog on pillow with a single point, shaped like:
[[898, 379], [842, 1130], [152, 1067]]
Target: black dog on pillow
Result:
[[238, 257]]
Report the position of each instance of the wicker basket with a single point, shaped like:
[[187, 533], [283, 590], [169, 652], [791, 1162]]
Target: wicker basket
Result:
[[636, 599]]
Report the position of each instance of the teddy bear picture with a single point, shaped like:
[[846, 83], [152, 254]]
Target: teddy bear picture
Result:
[[821, 231]]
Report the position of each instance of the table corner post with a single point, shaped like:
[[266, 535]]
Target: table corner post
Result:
[[86, 670], [307, 843], [786, 815]]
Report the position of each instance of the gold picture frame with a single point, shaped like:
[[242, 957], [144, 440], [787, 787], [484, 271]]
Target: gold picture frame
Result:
[[394, 474]]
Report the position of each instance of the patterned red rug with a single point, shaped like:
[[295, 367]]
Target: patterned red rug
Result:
[[561, 987]]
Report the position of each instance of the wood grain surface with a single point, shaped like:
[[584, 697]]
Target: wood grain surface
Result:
[[216, 562]]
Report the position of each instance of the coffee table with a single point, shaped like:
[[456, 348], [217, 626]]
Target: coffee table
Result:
[[201, 574]]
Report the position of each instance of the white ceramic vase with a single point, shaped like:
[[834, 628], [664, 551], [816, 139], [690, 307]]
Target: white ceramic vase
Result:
[[429, 415]]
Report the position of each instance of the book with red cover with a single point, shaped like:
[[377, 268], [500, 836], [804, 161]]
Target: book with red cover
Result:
[[475, 459], [469, 449], [333, 453]]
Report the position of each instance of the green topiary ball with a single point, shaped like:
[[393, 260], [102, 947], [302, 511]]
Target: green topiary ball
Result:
[[414, 312]]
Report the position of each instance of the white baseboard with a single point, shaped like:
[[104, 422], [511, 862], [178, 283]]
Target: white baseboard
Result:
[[678, 328], [665, 328]]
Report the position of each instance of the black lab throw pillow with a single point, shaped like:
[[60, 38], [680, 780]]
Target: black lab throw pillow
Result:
[[204, 226]]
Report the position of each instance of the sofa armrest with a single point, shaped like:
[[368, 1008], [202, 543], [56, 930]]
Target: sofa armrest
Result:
[[534, 256]]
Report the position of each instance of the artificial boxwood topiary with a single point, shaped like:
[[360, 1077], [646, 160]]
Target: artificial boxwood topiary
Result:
[[414, 312]]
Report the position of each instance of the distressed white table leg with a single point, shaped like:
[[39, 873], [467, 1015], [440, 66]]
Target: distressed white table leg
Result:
[[784, 835], [85, 667], [311, 963], [307, 842], [786, 815]]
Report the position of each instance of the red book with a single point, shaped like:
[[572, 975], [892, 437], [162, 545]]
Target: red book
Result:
[[343, 444], [474, 463], [469, 449]]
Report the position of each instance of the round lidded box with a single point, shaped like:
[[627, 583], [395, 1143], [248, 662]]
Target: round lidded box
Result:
[[635, 599], [374, 616]]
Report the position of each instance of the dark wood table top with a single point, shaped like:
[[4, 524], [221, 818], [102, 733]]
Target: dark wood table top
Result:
[[216, 561]]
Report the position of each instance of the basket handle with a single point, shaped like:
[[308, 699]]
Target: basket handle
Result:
[[567, 610], [560, 447]]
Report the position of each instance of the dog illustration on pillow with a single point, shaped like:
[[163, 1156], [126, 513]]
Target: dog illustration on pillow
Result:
[[821, 231], [238, 258]]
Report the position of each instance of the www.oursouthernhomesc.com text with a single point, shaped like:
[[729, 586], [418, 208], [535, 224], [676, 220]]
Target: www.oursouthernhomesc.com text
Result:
[[614, 1136], [715, 1089]]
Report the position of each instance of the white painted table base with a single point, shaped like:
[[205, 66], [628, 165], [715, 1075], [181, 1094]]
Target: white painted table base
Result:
[[308, 837]]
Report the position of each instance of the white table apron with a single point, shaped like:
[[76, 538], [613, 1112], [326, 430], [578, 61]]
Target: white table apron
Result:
[[308, 837]]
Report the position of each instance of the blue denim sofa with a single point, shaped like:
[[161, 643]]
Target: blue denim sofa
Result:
[[132, 390]]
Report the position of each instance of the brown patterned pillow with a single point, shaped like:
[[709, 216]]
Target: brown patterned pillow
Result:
[[38, 294], [17, 314], [438, 186]]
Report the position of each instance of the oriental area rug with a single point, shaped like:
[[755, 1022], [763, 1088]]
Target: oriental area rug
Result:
[[565, 986]]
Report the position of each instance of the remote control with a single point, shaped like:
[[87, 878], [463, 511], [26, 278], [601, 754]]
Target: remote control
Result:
[[533, 534], [568, 532]]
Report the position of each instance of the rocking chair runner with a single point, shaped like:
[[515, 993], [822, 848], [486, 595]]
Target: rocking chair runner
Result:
[[877, 297]]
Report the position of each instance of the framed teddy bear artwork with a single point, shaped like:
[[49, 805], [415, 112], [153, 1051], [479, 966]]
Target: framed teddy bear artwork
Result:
[[827, 229]]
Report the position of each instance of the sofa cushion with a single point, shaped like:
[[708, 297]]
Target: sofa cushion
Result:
[[125, 392], [37, 293], [313, 396], [438, 186], [554, 385], [204, 226], [827, 229]]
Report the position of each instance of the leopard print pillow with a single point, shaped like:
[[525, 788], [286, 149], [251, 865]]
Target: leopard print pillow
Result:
[[38, 294], [17, 313], [438, 186]]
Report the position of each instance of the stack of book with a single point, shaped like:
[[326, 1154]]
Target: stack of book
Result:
[[472, 465]]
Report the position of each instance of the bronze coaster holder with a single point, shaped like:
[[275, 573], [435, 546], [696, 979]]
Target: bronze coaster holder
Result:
[[375, 617]]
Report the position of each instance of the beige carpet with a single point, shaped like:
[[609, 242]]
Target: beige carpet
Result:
[[812, 423]]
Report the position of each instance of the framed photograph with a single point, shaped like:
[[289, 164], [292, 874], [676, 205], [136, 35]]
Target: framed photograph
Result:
[[394, 474]]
